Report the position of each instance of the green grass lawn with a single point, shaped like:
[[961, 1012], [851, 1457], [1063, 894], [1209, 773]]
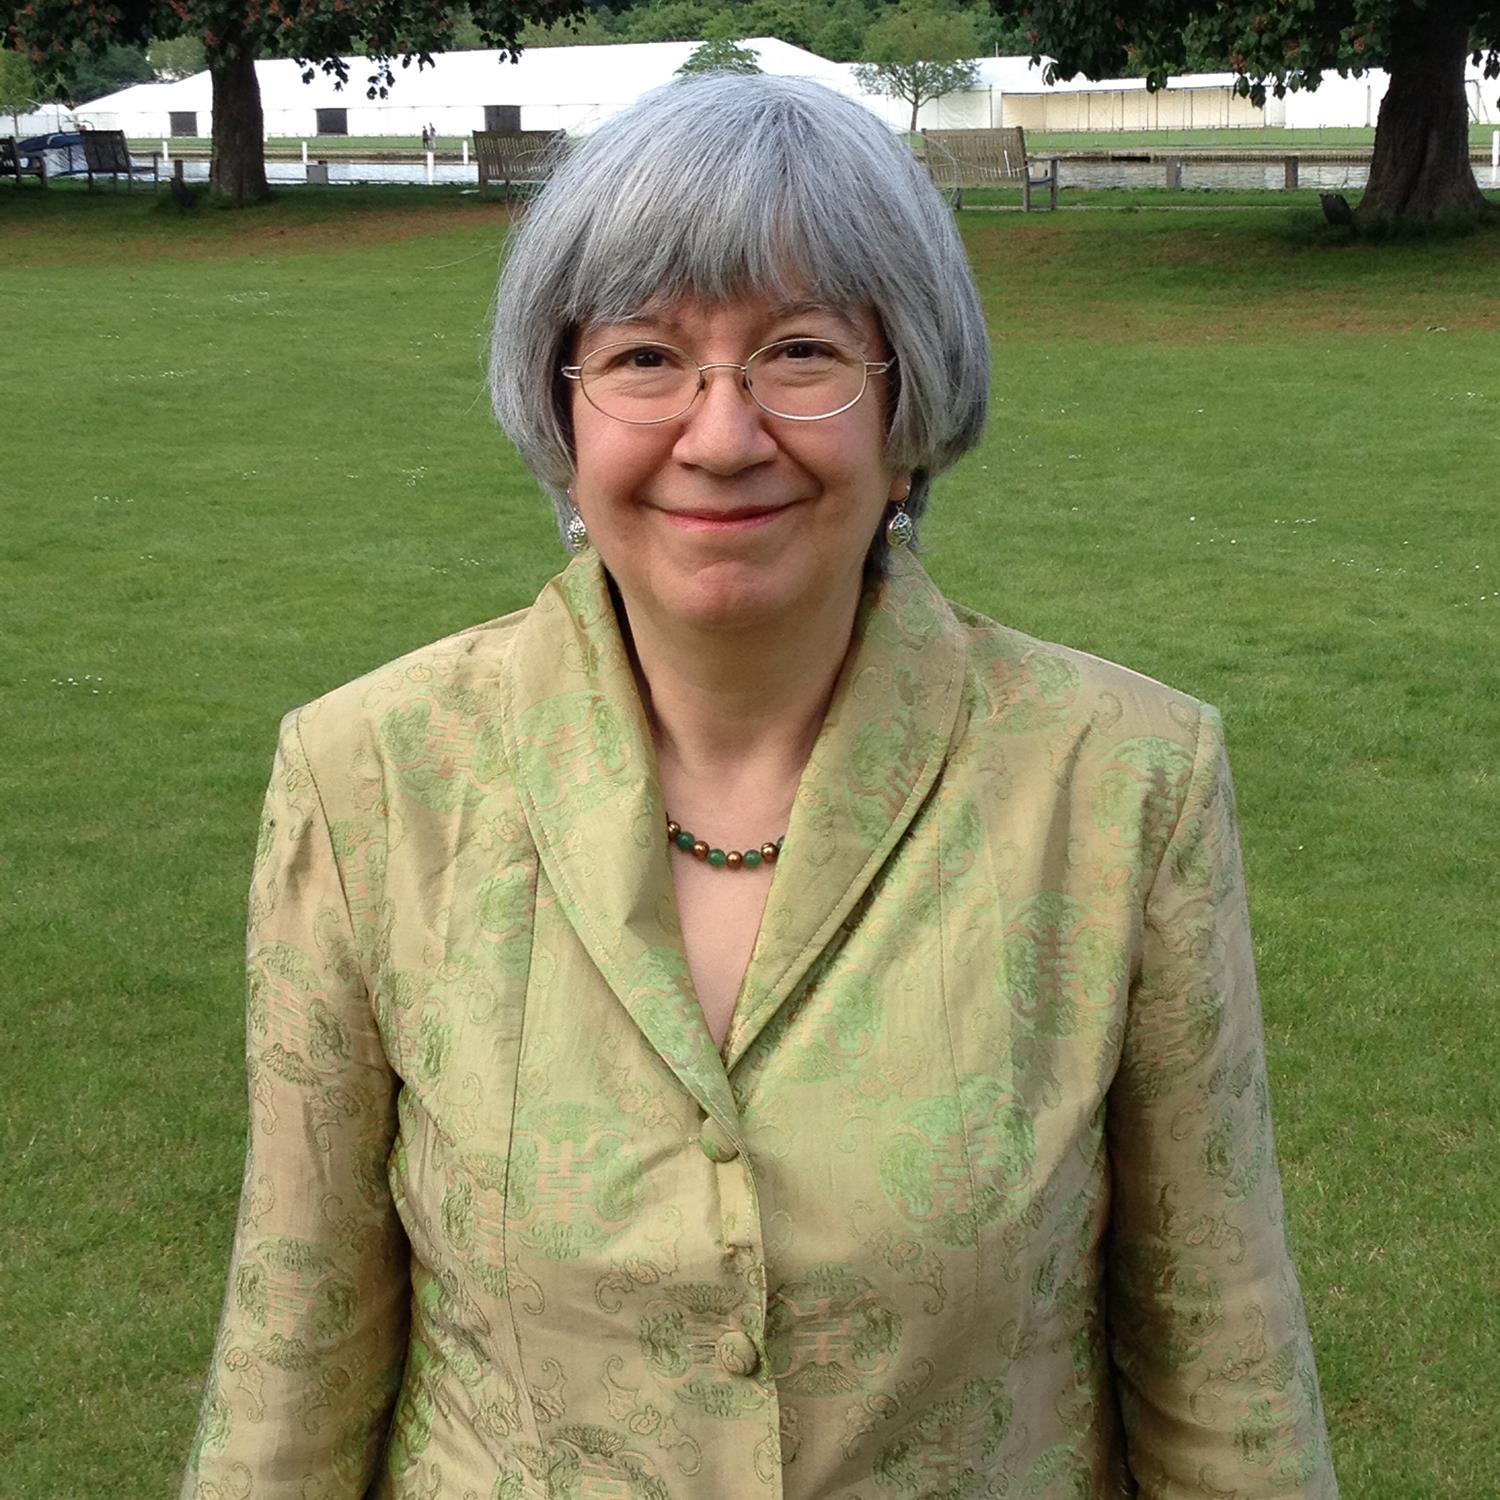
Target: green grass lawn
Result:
[[248, 456]]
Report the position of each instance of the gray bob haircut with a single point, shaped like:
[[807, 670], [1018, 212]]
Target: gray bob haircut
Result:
[[719, 186]]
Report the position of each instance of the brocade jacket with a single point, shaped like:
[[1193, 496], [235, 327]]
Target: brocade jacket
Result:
[[978, 1198]]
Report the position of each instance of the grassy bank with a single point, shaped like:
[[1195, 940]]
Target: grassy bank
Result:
[[254, 459]]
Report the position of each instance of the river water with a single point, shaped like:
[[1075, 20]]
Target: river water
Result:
[[1326, 176], [342, 172]]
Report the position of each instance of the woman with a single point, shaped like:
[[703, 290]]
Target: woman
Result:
[[603, 1143]]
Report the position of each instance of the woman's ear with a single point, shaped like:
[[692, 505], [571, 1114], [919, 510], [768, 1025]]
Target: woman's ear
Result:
[[900, 487]]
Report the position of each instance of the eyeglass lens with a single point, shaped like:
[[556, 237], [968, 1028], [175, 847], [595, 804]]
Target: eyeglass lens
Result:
[[649, 382]]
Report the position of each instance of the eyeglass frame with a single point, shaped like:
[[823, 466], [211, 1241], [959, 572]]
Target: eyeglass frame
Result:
[[575, 372]]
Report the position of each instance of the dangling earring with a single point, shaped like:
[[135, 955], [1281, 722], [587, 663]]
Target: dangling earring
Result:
[[575, 533], [900, 531]]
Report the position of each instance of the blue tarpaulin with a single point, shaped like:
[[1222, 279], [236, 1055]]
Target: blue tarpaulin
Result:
[[63, 150]]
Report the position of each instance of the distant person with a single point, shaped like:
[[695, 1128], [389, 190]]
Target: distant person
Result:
[[745, 1026], [426, 139]]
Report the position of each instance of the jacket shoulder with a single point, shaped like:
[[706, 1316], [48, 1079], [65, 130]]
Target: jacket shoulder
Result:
[[1018, 684], [440, 701]]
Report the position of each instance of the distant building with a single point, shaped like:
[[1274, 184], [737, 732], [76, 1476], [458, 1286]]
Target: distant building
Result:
[[576, 88], [1013, 91], [549, 88], [1344, 102]]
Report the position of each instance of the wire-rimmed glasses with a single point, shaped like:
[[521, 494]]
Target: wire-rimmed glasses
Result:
[[799, 380]]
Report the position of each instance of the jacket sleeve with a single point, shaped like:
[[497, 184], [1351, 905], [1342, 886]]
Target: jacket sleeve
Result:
[[310, 1346], [1218, 1389]]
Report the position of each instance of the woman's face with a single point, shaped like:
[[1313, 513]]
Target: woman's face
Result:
[[727, 516]]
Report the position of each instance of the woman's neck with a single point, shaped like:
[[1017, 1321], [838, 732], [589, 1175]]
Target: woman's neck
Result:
[[738, 710]]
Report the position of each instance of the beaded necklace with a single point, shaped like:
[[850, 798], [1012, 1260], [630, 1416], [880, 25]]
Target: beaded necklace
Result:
[[721, 859]]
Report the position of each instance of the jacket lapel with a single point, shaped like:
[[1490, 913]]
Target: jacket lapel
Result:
[[878, 755], [579, 751], [580, 755]]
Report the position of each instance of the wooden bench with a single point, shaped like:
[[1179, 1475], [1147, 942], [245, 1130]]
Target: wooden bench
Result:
[[10, 163], [959, 159], [105, 152], [518, 158]]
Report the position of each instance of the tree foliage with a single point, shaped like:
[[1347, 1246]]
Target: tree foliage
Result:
[[59, 35], [586, 30], [834, 29], [20, 90], [1271, 43], [1420, 168], [917, 52], [177, 57], [91, 75], [721, 56]]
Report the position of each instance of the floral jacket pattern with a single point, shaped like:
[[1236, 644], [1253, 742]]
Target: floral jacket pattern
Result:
[[978, 1199]]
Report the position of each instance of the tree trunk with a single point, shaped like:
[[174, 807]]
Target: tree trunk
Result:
[[916, 104], [238, 172], [1420, 171]]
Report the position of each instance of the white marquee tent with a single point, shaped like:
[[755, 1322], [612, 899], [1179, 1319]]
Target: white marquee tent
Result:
[[549, 88], [1356, 101], [575, 88], [1014, 91]]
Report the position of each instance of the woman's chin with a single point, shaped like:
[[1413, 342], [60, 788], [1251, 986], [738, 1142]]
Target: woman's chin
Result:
[[729, 594], [731, 597]]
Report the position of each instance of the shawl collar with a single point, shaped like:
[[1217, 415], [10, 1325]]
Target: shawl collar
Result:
[[881, 748], [580, 752]]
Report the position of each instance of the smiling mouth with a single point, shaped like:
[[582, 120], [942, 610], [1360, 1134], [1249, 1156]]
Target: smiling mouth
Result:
[[740, 516]]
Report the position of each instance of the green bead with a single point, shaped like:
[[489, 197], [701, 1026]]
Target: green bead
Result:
[[752, 858], [716, 858], [684, 840]]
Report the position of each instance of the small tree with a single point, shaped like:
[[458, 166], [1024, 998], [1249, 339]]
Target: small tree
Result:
[[177, 57], [19, 90], [918, 53], [721, 56]]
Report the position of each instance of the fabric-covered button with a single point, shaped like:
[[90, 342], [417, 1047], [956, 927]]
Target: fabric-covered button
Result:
[[737, 1353], [716, 1143]]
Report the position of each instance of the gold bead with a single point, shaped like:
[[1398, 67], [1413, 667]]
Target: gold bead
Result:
[[673, 829], [734, 859], [768, 852], [700, 850]]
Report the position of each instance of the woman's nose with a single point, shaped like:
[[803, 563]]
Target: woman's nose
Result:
[[724, 431]]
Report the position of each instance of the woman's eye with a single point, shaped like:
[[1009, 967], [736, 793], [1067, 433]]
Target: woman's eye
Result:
[[643, 359], [633, 359], [804, 349]]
